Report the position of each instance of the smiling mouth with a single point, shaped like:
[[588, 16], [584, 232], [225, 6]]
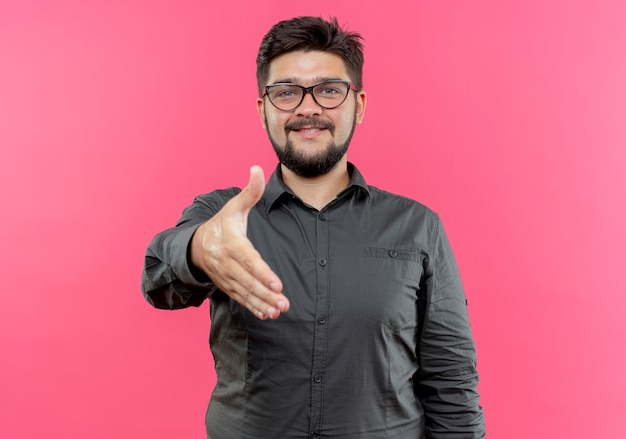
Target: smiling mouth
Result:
[[309, 126], [309, 133], [309, 130]]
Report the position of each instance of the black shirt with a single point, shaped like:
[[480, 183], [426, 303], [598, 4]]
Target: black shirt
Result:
[[346, 360]]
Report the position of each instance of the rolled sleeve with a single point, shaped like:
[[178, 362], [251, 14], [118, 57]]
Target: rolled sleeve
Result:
[[169, 280]]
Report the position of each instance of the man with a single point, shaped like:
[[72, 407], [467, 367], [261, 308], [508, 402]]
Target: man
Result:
[[317, 281]]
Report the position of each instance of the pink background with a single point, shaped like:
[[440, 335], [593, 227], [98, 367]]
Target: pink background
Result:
[[508, 118]]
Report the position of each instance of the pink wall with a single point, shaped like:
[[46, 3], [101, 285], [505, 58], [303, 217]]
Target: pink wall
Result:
[[508, 118]]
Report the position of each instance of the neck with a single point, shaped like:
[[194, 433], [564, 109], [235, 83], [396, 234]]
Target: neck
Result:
[[321, 190]]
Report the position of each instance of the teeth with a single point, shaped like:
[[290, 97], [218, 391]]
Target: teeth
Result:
[[310, 130]]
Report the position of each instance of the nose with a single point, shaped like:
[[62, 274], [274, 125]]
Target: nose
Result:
[[308, 107]]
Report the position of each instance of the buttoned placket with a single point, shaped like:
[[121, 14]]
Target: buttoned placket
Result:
[[320, 341]]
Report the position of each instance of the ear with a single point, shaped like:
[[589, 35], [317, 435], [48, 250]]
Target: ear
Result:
[[260, 107], [361, 103]]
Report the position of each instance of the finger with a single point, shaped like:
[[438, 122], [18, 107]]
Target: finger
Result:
[[252, 193], [265, 280], [252, 294], [241, 263], [236, 262], [256, 184]]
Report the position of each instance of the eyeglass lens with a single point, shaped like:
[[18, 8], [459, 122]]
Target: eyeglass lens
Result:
[[327, 94]]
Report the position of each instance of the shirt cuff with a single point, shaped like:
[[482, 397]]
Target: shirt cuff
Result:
[[181, 263]]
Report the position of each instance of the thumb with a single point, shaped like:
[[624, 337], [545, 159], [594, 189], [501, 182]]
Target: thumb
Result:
[[253, 192]]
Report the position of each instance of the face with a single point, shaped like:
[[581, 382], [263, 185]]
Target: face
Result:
[[310, 140]]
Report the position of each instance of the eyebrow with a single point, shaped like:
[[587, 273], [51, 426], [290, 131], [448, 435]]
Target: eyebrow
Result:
[[315, 80]]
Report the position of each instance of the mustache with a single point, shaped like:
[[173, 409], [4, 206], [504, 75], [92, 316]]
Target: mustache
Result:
[[310, 123]]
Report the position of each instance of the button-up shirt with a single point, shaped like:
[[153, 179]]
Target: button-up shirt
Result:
[[353, 357]]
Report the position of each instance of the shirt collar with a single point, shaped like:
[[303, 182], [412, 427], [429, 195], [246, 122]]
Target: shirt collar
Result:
[[276, 187]]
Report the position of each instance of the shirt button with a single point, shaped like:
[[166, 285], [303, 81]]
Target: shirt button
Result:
[[321, 320], [322, 217], [317, 378], [322, 262], [393, 253]]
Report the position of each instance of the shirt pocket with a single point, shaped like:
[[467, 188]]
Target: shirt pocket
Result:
[[389, 283]]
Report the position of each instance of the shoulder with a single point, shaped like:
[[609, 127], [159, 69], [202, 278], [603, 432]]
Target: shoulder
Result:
[[217, 198], [381, 199], [206, 205], [406, 217]]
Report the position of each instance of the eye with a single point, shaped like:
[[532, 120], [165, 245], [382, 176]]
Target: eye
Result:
[[284, 92], [327, 89]]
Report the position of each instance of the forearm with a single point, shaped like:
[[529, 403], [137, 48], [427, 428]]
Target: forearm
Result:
[[447, 379], [168, 279]]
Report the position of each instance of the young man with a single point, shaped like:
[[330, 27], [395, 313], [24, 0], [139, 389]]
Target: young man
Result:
[[337, 310]]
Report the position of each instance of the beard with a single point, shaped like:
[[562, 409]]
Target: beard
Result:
[[307, 166]]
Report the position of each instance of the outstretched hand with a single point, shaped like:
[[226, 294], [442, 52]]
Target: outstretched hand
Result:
[[221, 248]]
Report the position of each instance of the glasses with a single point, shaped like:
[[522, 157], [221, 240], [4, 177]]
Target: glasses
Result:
[[328, 94]]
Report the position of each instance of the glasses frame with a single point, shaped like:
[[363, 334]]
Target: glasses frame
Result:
[[306, 90]]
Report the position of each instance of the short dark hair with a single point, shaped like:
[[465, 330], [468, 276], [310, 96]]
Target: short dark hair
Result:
[[310, 33]]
